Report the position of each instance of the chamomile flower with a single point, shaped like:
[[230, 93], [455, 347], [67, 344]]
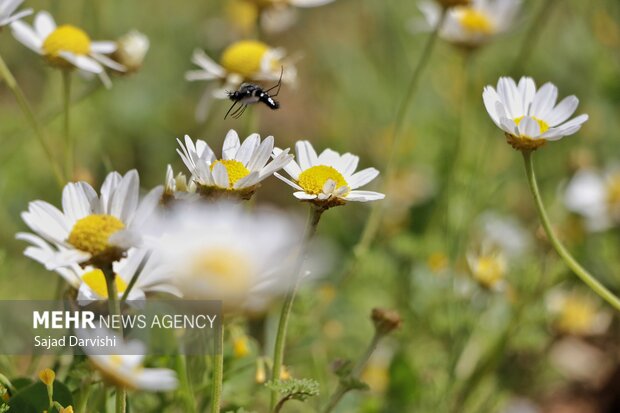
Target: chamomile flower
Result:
[[239, 171], [488, 268], [474, 24], [531, 117], [131, 50], [328, 179], [595, 195], [7, 11], [93, 229], [90, 281], [246, 61], [66, 46], [279, 15], [178, 187], [221, 252], [126, 368], [576, 313]]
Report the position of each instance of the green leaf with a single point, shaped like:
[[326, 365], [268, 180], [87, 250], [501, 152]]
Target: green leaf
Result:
[[33, 398]]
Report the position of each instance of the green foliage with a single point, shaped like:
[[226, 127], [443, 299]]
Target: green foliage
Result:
[[33, 398]]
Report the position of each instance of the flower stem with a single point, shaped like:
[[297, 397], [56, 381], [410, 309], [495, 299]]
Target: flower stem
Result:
[[372, 224], [6, 74], [581, 272], [185, 384], [114, 307], [69, 156], [314, 217], [355, 373], [218, 370]]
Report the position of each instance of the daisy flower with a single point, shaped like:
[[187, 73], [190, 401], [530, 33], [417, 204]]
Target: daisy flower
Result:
[[488, 268], [474, 24], [131, 50], [277, 15], [328, 179], [93, 229], [530, 117], [246, 61], [7, 10], [222, 252], [576, 313], [66, 46], [126, 368], [595, 196], [242, 166], [177, 187], [90, 281]]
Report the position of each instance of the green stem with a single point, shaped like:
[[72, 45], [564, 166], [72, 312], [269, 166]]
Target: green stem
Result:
[[372, 224], [114, 307], [186, 387], [137, 274], [218, 370], [69, 150], [314, 217], [6, 74], [532, 34], [581, 272], [355, 373]]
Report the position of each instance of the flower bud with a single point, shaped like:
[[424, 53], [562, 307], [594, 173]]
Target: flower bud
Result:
[[385, 321], [132, 48], [47, 376]]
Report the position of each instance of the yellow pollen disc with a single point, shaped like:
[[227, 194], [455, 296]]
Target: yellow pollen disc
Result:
[[244, 57], [313, 179], [475, 21], [577, 315], [226, 270], [96, 281], [613, 190], [67, 38], [235, 170], [241, 347], [91, 233], [489, 270], [544, 127]]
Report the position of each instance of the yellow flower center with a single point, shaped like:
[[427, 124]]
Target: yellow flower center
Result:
[[489, 270], [313, 179], [437, 261], [577, 315], [226, 270], [67, 38], [246, 58], [241, 347], [235, 170], [475, 21], [613, 191], [95, 279], [544, 126], [91, 233]]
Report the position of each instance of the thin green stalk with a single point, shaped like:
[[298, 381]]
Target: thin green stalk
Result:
[[135, 277], [372, 224], [572, 263], [185, 384], [6, 74], [114, 307], [532, 34], [355, 373], [314, 217], [69, 149], [218, 370]]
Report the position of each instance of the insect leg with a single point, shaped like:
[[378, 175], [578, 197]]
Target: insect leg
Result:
[[277, 85], [231, 108]]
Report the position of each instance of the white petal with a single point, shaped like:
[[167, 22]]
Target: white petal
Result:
[[288, 181], [509, 94], [364, 196], [125, 198], [248, 181], [44, 24], [303, 196], [347, 164], [249, 145], [26, 36], [362, 177], [490, 98], [85, 63], [231, 145], [529, 127], [261, 155], [291, 168], [527, 90], [544, 101], [329, 157], [562, 111], [306, 155], [220, 175], [105, 47], [106, 61], [509, 125]]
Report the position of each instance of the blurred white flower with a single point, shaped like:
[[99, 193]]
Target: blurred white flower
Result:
[[505, 233], [488, 268], [279, 15], [92, 229], [596, 197], [577, 313], [7, 8], [90, 281], [246, 61], [126, 369], [66, 46], [222, 252], [328, 179], [474, 24], [242, 166], [530, 117], [131, 50]]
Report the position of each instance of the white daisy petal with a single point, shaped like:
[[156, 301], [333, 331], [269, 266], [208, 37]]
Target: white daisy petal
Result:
[[231, 145], [105, 47], [27, 36], [220, 175], [529, 127], [247, 148], [44, 24], [85, 63], [306, 156], [288, 181], [364, 196], [544, 101], [347, 164], [303, 195], [261, 155], [362, 177], [562, 111]]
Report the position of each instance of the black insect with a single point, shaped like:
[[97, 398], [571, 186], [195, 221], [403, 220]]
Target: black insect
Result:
[[249, 94]]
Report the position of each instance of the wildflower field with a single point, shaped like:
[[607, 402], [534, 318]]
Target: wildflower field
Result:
[[310, 206]]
